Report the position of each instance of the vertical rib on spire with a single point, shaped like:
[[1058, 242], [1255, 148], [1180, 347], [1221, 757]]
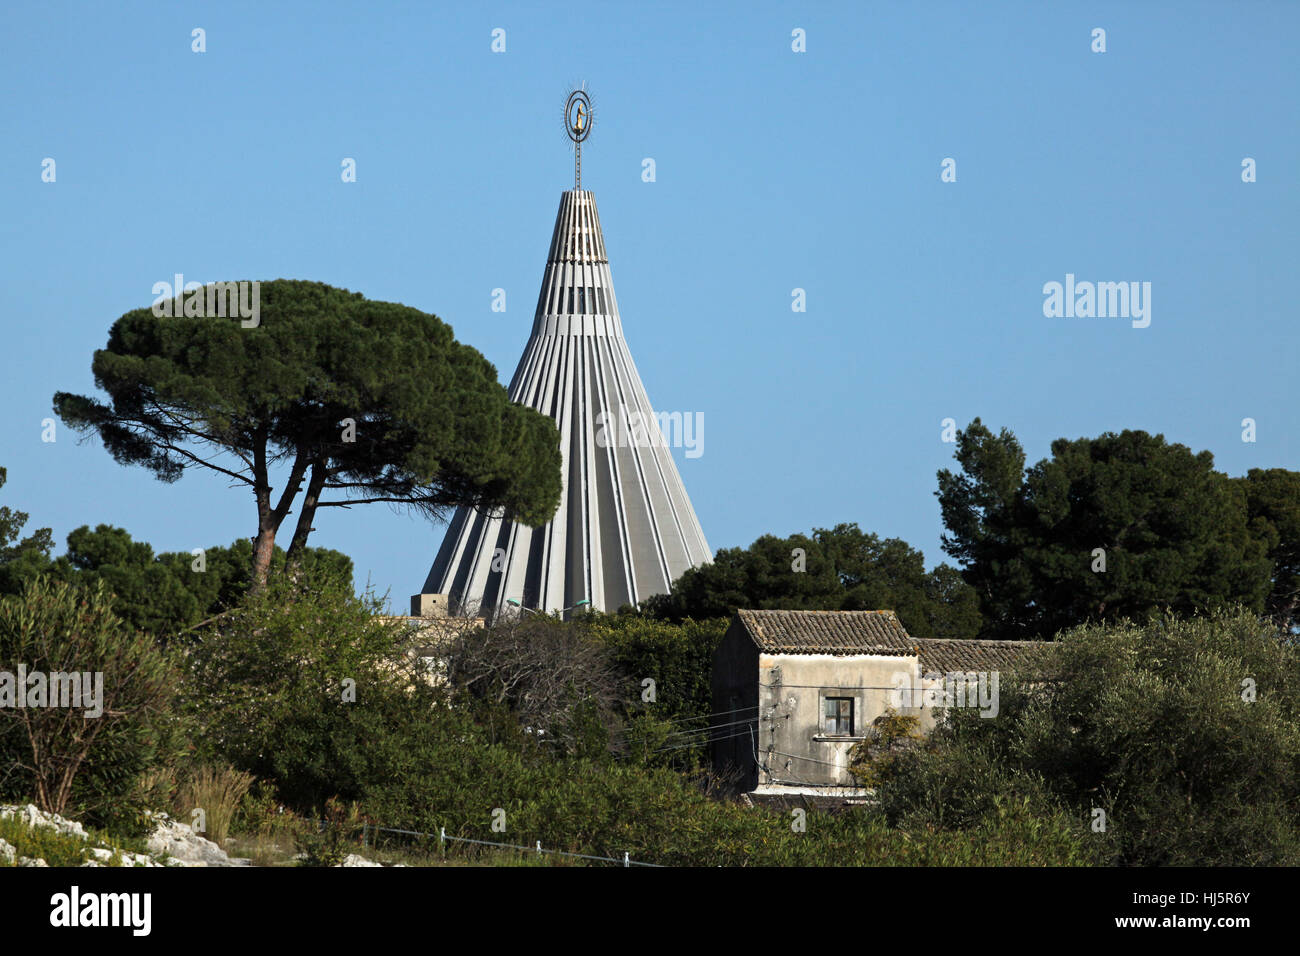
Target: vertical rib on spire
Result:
[[625, 528]]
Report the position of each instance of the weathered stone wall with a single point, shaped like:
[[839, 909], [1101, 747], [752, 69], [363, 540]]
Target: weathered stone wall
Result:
[[792, 687]]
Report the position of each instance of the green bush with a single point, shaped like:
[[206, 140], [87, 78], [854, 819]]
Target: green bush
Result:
[[1149, 723], [657, 817], [272, 682], [331, 839], [266, 684], [677, 657], [71, 764], [63, 849]]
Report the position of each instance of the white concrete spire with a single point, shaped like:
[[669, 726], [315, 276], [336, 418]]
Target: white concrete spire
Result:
[[625, 529]]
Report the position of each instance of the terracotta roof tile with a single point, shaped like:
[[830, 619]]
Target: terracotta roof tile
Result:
[[827, 632], [877, 632], [947, 656]]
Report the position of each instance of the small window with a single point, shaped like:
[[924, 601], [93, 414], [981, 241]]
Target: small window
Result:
[[838, 719], [582, 302]]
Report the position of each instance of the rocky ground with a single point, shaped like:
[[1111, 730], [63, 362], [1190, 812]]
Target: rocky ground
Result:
[[170, 843]]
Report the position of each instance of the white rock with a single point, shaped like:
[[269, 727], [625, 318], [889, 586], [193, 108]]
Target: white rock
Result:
[[185, 847], [33, 817], [353, 860], [104, 857], [175, 839]]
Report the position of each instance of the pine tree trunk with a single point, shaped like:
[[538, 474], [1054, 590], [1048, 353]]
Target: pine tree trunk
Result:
[[306, 514]]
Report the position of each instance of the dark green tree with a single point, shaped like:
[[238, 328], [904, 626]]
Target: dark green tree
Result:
[[20, 558], [360, 401], [226, 574], [840, 568], [1273, 505], [147, 594], [1170, 532], [167, 593]]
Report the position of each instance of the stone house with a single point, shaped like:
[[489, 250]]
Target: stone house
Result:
[[794, 691], [430, 630]]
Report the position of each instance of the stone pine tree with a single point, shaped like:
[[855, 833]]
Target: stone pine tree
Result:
[[1117, 526], [339, 399]]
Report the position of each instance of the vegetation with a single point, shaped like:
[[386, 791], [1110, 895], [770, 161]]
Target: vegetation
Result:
[[1273, 508], [1185, 734], [19, 557], [1161, 727], [309, 691], [65, 849], [162, 594], [889, 738], [55, 753], [841, 569], [366, 401], [677, 658], [317, 698], [218, 792], [1174, 532]]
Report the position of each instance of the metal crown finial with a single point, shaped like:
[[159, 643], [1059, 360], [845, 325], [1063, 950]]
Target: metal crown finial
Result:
[[578, 119]]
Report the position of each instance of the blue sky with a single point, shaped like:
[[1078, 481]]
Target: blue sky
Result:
[[775, 170]]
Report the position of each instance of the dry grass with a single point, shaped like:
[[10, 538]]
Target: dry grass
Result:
[[217, 791]]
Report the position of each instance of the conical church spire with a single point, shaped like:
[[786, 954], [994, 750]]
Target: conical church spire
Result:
[[625, 528]]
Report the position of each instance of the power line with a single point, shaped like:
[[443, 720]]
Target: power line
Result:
[[723, 713], [698, 743], [712, 727]]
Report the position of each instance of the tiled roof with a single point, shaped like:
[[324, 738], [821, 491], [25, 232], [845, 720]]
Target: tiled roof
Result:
[[827, 632], [947, 656], [878, 632]]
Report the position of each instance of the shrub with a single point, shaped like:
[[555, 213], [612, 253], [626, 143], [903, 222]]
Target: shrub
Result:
[[64, 758], [329, 843], [1155, 724], [306, 691], [890, 735], [677, 657], [657, 817], [541, 670]]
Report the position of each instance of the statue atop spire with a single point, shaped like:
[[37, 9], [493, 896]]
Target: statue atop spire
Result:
[[624, 529], [578, 118]]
